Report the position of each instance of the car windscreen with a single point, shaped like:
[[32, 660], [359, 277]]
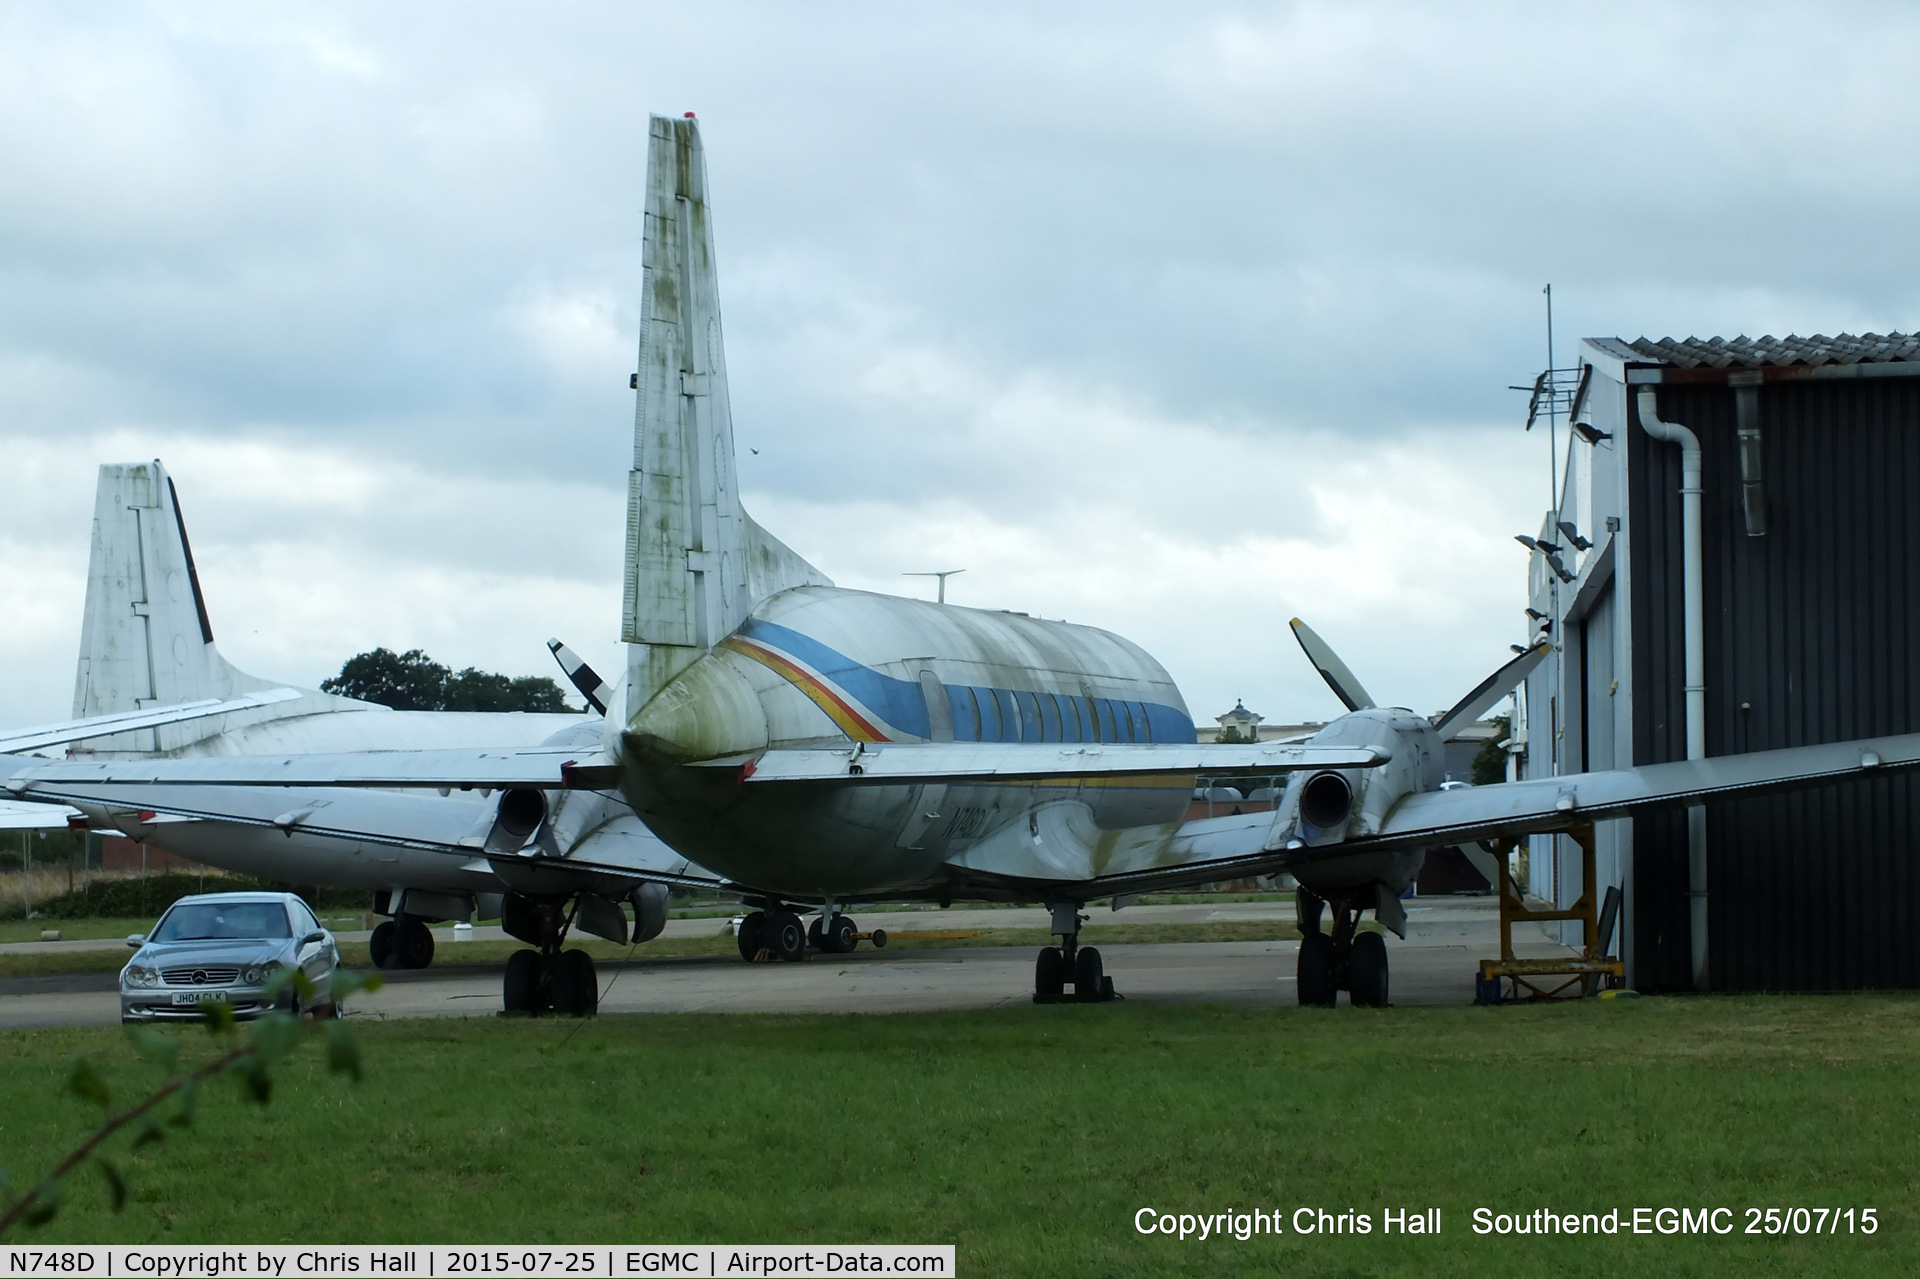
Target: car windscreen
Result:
[[201, 920]]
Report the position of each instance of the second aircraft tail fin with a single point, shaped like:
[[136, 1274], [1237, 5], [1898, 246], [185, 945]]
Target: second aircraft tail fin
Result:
[[146, 639]]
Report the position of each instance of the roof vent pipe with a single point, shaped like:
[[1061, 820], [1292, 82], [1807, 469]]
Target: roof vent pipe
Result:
[[1693, 632]]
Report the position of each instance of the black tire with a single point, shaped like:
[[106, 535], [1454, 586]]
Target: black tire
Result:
[[380, 945], [520, 988], [1314, 973], [576, 986], [879, 938], [786, 938], [753, 936], [842, 936], [1049, 973], [1369, 969], [816, 936], [414, 945], [1087, 975]]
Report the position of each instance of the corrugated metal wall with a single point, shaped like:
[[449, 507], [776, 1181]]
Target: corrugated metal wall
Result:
[[1808, 640]]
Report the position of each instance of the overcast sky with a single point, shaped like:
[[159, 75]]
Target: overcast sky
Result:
[[1171, 319]]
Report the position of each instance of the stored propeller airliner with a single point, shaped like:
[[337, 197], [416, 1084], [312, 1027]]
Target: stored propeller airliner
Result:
[[819, 748]]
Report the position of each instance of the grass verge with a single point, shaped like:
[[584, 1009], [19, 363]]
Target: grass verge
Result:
[[1031, 1136]]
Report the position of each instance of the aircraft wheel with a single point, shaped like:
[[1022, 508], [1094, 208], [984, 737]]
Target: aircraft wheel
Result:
[[753, 935], [576, 986], [1314, 973], [1049, 973], [816, 936], [1087, 975], [786, 937], [380, 945], [841, 936], [413, 945], [520, 989], [1369, 988]]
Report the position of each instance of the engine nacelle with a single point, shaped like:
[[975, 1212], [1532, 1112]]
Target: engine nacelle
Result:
[[649, 912]]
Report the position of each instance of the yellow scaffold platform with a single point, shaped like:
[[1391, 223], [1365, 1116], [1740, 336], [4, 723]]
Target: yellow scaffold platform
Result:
[[1510, 979]]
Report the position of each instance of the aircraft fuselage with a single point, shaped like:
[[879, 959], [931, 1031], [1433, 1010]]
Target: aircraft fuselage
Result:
[[822, 666]]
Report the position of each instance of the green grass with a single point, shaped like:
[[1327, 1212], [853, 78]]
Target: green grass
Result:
[[71, 929], [1030, 1136], [449, 953]]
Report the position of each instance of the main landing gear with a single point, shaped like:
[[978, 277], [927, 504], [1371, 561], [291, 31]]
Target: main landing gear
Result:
[[777, 933], [549, 979], [404, 941], [1070, 962], [1349, 960]]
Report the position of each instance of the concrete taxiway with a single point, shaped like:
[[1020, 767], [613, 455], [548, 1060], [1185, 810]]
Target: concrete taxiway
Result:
[[1435, 965]]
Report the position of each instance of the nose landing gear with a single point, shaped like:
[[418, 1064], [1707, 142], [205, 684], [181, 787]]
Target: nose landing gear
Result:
[[1070, 961], [1349, 960]]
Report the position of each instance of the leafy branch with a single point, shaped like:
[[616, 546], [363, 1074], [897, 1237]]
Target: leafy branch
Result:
[[268, 1040]]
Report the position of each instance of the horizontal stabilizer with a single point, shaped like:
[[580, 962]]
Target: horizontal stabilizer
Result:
[[78, 730], [1010, 761]]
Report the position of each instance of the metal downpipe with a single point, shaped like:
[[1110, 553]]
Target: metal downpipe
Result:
[[1693, 626]]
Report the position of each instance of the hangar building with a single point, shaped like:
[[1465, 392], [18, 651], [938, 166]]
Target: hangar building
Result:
[[1809, 606]]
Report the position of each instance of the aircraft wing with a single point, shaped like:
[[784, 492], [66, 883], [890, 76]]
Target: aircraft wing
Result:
[[1230, 848], [546, 767], [916, 762], [17, 816], [76, 730], [392, 817]]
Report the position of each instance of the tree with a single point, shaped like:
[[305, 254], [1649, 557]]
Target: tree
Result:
[[409, 681], [1232, 736], [412, 681], [1490, 764]]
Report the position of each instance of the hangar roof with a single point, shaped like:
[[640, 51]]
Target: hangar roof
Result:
[[1746, 352]]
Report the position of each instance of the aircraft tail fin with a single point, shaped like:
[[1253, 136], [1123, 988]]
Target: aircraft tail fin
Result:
[[696, 565], [146, 638]]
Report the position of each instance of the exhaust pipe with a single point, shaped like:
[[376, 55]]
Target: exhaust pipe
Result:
[[1325, 801], [521, 811]]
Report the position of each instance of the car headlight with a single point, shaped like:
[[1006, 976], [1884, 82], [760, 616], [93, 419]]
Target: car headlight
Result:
[[261, 974], [141, 975]]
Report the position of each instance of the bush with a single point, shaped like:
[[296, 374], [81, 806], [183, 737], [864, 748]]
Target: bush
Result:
[[149, 896]]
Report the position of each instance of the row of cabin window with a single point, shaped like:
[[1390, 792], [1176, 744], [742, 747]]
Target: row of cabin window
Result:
[[1003, 715]]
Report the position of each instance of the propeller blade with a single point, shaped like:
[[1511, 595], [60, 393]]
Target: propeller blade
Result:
[[1483, 861], [1331, 668], [581, 676], [1490, 690]]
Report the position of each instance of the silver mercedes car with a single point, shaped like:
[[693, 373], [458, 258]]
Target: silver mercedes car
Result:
[[228, 946]]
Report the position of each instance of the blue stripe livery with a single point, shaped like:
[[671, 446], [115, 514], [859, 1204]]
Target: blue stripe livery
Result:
[[981, 714]]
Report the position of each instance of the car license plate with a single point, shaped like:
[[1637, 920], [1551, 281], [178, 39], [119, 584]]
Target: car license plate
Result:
[[192, 996]]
